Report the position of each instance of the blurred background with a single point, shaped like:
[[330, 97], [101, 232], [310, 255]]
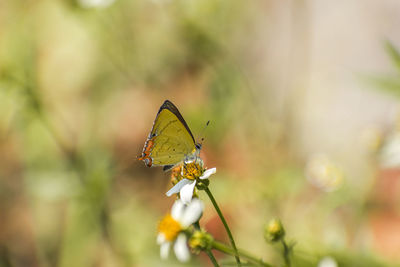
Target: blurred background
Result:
[[303, 99]]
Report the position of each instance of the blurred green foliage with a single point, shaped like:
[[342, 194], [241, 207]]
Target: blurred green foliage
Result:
[[388, 83]]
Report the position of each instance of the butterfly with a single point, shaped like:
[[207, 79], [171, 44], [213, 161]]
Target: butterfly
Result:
[[170, 140]]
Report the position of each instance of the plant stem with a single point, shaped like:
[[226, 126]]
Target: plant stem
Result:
[[212, 258], [227, 250], [286, 252], [228, 231]]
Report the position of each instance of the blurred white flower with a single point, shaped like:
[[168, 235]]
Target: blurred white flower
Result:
[[171, 227], [161, 1], [191, 171], [389, 156], [323, 173], [327, 262], [95, 3]]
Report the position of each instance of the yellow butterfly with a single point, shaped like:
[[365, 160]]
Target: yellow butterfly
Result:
[[170, 140]]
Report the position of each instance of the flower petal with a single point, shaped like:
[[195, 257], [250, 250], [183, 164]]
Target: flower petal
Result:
[[192, 213], [187, 192], [208, 173], [177, 209], [181, 249], [164, 250], [160, 238], [177, 188]]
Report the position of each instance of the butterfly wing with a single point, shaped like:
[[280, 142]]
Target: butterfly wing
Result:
[[170, 139]]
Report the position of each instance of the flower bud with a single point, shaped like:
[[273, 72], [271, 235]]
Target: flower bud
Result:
[[176, 175], [274, 231], [201, 240], [202, 184]]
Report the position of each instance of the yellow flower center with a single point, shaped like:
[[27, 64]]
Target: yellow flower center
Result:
[[169, 227], [192, 170]]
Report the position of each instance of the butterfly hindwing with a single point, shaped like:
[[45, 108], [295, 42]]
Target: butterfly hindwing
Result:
[[170, 139]]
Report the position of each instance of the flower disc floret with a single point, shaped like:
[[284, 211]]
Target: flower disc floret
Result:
[[169, 227], [171, 230], [192, 172]]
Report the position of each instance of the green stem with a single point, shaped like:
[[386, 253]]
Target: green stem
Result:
[[228, 231], [286, 253], [212, 258], [228, 250], [208, 252]]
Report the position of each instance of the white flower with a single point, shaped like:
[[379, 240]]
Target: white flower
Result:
[[191, 172], [171, 227], [95, 3], [327, 262], [390, 153], [323, 173]]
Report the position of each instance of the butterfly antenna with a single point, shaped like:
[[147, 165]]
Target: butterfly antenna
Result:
[[200, 143]]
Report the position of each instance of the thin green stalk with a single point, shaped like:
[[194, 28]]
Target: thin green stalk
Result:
[[212, 258], [228, 250], [286, 253], [228, 231]]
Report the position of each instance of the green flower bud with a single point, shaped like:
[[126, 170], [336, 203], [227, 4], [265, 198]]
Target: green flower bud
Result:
[[201, 240], [274, 231], [202, 184]]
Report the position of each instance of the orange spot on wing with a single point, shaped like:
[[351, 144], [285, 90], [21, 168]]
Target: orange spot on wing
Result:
[[148, 146]]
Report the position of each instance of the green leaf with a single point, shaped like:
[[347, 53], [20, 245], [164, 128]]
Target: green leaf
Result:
[[393, 53], [389, 85]]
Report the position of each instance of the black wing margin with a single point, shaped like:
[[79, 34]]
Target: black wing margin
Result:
[[168, 167], [171, 107]]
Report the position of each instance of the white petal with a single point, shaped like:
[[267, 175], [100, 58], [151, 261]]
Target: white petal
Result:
[[177, 188], [208, 173], [327, 262], [177, 209], [160, 238], [192, 213], [181, 249], [187, 192], [164, 250]]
